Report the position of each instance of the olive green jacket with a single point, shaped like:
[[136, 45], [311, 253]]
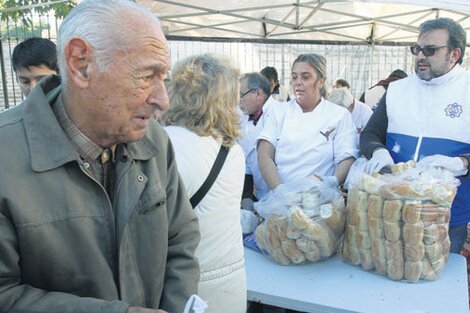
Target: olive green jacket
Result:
[[64, 247]]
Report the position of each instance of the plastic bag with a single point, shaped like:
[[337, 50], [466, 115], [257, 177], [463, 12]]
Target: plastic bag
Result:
[[397, 224], [303, 224]]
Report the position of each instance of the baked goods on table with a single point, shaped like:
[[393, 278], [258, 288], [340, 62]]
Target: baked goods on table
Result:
[[397, 224], [303, 224]]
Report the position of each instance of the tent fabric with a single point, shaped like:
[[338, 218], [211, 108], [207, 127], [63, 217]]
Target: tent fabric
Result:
[[364, 21]]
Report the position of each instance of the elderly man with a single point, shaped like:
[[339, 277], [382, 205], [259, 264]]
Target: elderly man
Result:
[[93, 215], [426, 116], [255, 100]]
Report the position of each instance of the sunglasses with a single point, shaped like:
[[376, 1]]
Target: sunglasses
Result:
[[427, 50]]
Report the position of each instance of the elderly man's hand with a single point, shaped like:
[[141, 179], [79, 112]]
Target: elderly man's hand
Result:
[[455, 165], [135, 309], [380, 159]]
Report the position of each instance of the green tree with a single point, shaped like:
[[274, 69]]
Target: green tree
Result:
[[20, 10]]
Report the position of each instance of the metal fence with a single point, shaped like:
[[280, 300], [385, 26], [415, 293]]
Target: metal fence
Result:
[[361, 65]]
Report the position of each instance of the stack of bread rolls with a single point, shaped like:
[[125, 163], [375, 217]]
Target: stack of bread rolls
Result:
[[302, 235], [397, 224]]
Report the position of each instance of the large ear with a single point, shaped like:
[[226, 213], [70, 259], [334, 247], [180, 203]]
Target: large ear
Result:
[[455, 55], [78, 55]]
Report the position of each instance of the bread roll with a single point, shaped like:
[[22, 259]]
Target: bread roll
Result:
[[378, 255], [357, 200], [314, 255], [395, 268], [443, 231], [272, 233], [354, 256], [413, 233], [393, 250], [428, 272], [304, 244], [337, 221], [374, 206], [327, 243], [401, 167], [314, 231], [413, 270], [279, 257], [292, 252], [430, 213], [371, 185], [434, 251], [411, 212], [445, 246], [392, 231], [392, 210], [361, 220], [439, 264], [281, 224], [443, 194], [401, 190], [414, 252], [351, 235], [292, 232], [365, 257], [431, 234], [376, 227], [444, 215], [363, 240], [261, 237], [298, 218]]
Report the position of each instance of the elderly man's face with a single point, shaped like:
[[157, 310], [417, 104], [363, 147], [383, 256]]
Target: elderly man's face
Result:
[[438, 64], [251, 100], [131, 90]]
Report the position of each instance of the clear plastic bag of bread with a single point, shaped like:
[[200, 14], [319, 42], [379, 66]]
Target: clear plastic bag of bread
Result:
[[302, 224], [397, 223]]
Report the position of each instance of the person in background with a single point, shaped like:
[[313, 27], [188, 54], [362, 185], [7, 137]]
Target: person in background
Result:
[[255, 101], [424, 117], [202, 118], [278, 92], [340, 83], [106, 225], [360, 112], [372, 96], [309, 135], [32, 60]]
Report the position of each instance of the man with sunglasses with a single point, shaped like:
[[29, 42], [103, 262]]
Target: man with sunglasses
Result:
[[426, 116]]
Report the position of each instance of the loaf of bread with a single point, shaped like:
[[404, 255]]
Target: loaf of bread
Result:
[[392, 210], [406, 234]]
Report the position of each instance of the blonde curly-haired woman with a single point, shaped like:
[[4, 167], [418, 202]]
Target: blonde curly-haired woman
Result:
[[204, 93]]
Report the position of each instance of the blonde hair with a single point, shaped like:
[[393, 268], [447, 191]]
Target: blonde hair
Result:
[[204, 93], [341, 96]]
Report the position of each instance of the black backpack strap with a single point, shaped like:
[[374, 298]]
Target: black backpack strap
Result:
[[215, 170]]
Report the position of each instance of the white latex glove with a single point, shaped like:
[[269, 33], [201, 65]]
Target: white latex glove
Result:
[[247, 204], [380, 159], [249, 221], [454, 165]]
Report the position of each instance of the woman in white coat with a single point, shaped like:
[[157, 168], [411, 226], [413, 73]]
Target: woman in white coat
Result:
[[307, 135], [204, 93]]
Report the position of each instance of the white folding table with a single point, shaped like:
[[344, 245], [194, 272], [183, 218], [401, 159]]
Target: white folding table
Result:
[[335, 286]]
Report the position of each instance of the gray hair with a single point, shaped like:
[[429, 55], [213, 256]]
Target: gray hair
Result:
[[319, 65], [341, 96], [102, 25], [255, 81], [457, 35]]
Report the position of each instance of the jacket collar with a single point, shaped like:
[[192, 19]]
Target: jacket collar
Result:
[[456, 71], [49, 146]]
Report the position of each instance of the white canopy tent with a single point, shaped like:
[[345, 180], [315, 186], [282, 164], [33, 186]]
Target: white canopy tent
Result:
[[347, 21]]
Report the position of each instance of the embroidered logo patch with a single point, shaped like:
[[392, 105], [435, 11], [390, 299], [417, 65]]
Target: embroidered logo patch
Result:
[[454, 110], [327, 133]]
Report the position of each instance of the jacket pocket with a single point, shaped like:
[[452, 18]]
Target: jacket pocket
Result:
[[153, 198]]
